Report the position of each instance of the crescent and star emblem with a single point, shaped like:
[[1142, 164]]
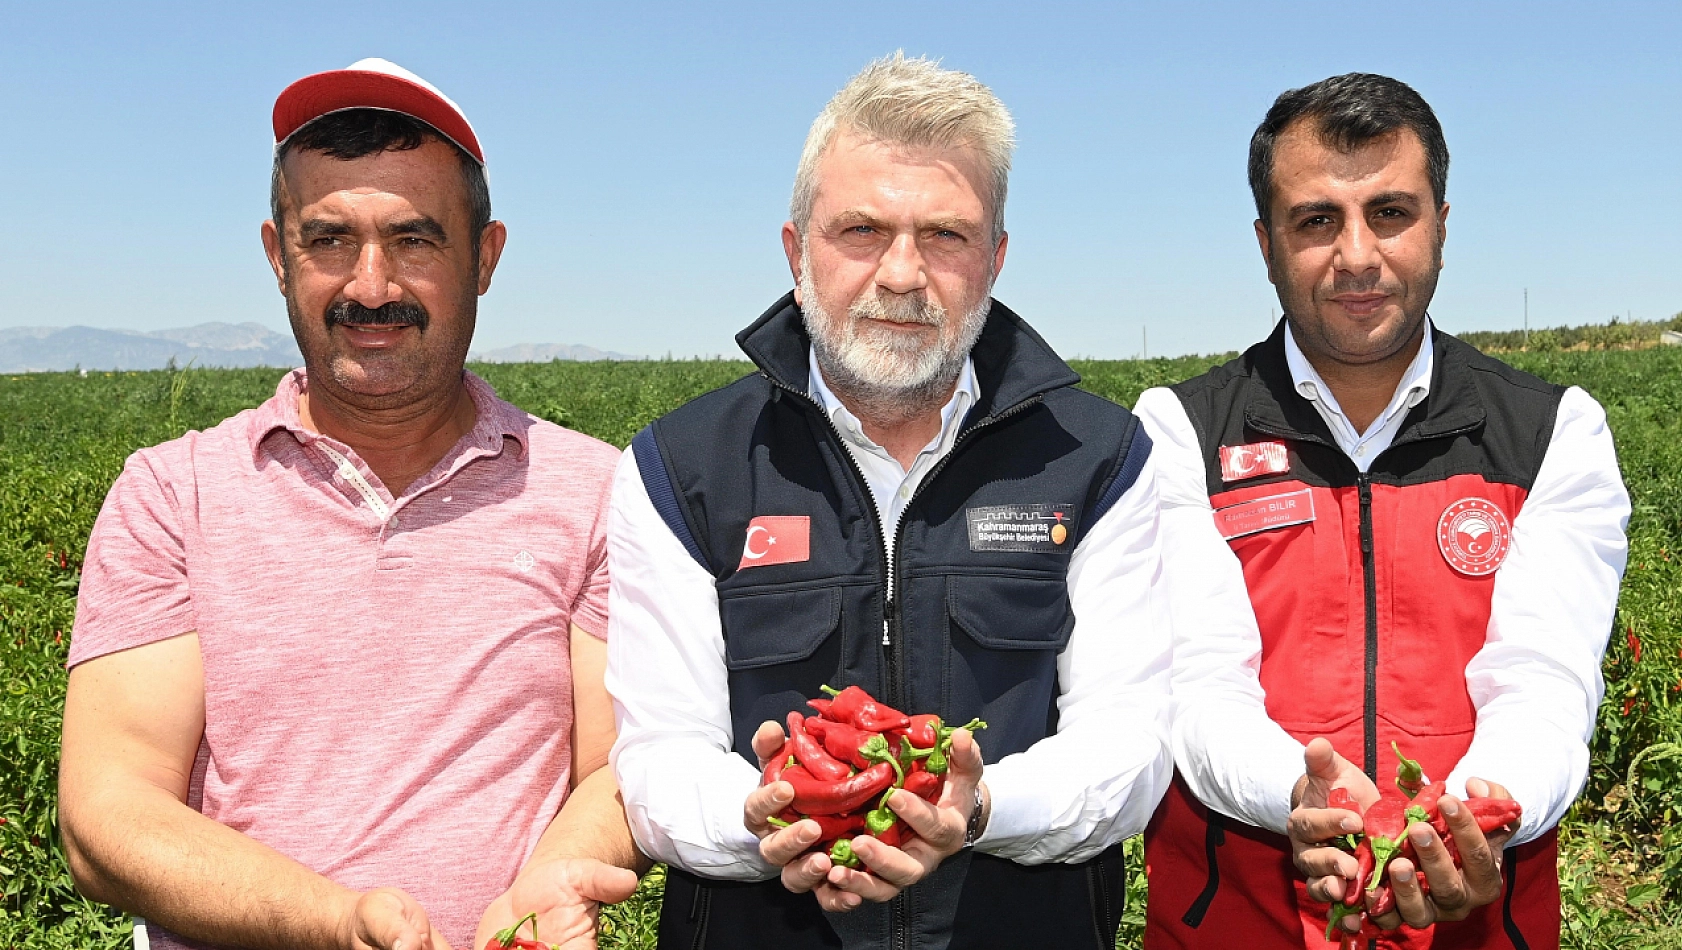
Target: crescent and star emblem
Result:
[[747, 549]]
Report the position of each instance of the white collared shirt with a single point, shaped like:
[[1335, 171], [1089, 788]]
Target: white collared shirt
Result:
[[1066, 798], [890, 484], [1536, 684], [1362, 447]]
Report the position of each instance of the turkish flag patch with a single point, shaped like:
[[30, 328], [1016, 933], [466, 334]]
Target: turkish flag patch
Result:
[[777, 539], [1474, 536], [1255, 459]]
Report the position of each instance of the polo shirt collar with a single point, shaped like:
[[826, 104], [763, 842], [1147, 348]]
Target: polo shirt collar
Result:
[[496, 420]]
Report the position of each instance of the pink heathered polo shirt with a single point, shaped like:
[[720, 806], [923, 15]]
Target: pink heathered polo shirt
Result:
[[387, 693]]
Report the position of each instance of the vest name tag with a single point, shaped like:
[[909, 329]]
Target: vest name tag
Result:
[[1274, 511], [1030, 528]]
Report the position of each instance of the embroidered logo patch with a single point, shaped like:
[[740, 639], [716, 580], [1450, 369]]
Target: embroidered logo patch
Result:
[[1274, 511], [1474, 536], [1255, 459], [777, 539], [1042, 528]]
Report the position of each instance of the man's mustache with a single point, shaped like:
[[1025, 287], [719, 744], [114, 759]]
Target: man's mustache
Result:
[[899, 308], [397, 313]]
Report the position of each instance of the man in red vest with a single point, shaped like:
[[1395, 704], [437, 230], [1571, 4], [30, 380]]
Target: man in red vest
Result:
[[1399, 540]]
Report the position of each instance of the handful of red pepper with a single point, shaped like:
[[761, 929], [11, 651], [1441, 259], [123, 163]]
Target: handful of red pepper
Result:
[[1385, 837], [846, 761]]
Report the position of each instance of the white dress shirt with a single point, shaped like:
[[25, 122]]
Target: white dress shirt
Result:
[[1066, 798], [1536, 683], [1362, 447]]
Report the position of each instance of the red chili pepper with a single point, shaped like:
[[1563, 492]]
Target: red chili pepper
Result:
[[924, 784], [1426, 800], [813, 796], [1340, 798], [1494, 813], [896, 834], [1629, 706], [924, 731], [830, 827], [821, 705], [842, 740], [858, 707], [1634, 643], [775, 765], [821, 764], [1364, 858]]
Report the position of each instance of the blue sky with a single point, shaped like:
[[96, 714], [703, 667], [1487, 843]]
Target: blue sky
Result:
[[642, 154]]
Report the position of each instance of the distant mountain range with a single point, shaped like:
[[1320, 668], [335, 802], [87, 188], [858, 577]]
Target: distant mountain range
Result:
[[42, 349]]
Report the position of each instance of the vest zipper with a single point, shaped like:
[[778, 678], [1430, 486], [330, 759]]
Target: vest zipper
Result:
[[1369, 571], [892, 620]]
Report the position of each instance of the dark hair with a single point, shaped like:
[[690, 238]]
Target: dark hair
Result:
[[354, 133], [1350, 110]]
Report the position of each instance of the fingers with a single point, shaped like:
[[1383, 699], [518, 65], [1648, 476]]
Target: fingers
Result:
[[835, 900], [1320, 761], [1308, 827], [1412, 904], [389, 919], [784, 845], [600, 881], [1328, 889], [1480, 864], [767, 739], [1327, 862], [806, 873], [764, 802], [1448, 887]]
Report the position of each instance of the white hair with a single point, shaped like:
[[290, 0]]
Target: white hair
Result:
[[911, 102]]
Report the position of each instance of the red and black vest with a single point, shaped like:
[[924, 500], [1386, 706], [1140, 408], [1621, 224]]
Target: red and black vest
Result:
[[1372, 591]]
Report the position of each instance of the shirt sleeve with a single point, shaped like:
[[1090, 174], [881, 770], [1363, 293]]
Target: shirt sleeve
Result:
[[1099, 778], [684, 788], [590, 608], [134, 588], [1232, 755], [1536, 684]]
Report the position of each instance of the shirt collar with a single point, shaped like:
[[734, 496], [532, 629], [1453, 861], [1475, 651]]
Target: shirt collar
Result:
[[965, 395], [495, 419], [1414, 386]]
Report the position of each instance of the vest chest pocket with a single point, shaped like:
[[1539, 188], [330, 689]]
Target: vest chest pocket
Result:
[[1011, 613], [779, 627]]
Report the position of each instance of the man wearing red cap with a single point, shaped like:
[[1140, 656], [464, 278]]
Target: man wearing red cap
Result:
[[337, 661]]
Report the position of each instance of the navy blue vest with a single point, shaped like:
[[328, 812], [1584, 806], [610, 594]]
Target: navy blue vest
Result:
[[979, 614]]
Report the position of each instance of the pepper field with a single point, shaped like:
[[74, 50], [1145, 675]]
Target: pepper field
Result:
[[63, 438]]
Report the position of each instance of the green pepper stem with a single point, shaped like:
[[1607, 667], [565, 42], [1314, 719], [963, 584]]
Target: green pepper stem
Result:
[[506, 937], [830, 689], [776, 822]]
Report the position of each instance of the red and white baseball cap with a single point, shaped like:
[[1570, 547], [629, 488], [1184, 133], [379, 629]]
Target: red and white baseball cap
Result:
[[372, 84]]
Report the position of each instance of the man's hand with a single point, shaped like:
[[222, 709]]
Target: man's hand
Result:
[[1312, 824], [940, 829], [389, 919], [566, 894], [1455, 892]]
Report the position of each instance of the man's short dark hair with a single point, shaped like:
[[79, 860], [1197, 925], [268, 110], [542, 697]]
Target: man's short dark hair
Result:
[[1349, 111], [354, 133]]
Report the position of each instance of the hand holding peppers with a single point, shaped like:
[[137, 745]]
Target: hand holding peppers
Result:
[[842, 828], [1410, 865]]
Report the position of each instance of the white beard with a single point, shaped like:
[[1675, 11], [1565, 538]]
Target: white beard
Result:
[[887, 375]]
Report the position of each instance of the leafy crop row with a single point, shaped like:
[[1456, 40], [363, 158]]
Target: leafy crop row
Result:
[[64, 436]]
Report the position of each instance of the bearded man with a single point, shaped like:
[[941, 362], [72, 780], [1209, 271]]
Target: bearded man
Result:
[[823, 521], [337, 662], [1401, 544]]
